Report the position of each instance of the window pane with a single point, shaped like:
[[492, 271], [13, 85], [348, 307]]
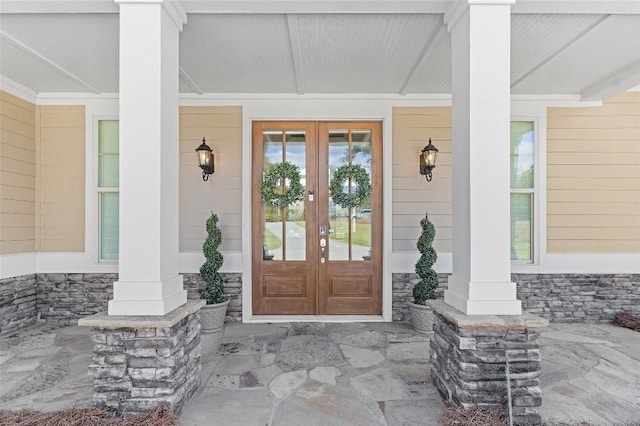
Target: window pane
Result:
[[108, 149], [109, 225], [522, 154], [521, 226]]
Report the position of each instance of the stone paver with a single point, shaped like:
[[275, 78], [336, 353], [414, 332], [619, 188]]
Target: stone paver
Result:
[[331, 374], [361, 358]]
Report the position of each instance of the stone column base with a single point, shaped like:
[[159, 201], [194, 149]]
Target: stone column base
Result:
[[142, 361], [468, 357]]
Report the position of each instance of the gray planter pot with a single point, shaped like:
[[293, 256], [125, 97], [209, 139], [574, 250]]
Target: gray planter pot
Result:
[[212, 317], [422, 317]]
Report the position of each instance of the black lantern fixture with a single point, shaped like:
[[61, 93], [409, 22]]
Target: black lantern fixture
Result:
[[205, 159], [428, 160]]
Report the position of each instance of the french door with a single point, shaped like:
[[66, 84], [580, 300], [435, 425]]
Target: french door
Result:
[[313, 254]]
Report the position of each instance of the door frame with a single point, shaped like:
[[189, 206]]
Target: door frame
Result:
[[332, 108]]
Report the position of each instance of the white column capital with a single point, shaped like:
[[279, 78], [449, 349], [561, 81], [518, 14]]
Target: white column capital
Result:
[[458, 9], [174, 9]]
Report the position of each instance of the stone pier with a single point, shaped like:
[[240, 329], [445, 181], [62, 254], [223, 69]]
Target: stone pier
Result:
[[469, 356], [142, 361]]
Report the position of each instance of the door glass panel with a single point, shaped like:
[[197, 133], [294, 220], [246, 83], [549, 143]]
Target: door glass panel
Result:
[[295, 225], [338, 215], [350, 228], [284, 226], [361, 215]]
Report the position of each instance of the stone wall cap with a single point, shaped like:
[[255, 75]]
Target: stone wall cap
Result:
[[103, 320], [486, 322]]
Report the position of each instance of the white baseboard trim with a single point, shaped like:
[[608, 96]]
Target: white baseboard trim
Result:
[[583, 263], [15, 265]]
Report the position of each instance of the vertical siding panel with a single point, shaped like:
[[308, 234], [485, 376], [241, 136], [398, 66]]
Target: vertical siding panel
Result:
[[61, 159], [412, 196], [18, 170], [222, 194], [593, 177]]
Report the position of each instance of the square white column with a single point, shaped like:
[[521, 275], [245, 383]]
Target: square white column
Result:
[[480, 61], [148, 283]]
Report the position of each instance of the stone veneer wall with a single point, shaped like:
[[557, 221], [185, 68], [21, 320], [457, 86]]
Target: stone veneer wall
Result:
[[17, 302], [135, 369], [402, 293], [193, 283], [61, 299], [468, 362], [556, 297], [579, 297]]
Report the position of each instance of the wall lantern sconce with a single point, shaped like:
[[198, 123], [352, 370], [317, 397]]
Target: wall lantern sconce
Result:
[[428, 160], [205, 159]]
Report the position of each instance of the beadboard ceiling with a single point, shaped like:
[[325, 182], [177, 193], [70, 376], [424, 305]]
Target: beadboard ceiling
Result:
[[587, 54]]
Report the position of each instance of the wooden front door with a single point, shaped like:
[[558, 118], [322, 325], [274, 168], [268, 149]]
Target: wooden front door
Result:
[[317, 256]]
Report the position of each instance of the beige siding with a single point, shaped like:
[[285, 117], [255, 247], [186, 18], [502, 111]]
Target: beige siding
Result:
[[222, 194], [60, 208], [593, 177], [412, 195], [17, 175]]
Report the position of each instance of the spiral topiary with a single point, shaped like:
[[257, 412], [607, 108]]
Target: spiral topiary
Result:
[[213, 291], [426, 288]]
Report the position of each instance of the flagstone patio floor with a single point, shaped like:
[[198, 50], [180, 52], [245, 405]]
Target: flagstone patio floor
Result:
[[331, 374]]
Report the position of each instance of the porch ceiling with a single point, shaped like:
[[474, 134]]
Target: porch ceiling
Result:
[[591, 54]]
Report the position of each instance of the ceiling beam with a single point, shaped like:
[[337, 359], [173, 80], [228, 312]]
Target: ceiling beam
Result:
[[190, 82], [619, 81], [46, 61], [558, 51], [324, 6], [599, 7], [437, 36], [58, 6], [296, 52]]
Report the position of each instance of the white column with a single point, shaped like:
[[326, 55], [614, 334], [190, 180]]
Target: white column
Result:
[[480, 61], [148, 283]]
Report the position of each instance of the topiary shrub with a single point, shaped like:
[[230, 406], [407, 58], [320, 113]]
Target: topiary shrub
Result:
[[426, 288], [213, 291]]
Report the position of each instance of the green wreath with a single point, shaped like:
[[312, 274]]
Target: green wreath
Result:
[[272, 193], [355, 173]]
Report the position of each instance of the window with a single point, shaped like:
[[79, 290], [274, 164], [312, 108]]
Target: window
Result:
[[108, 188], [522, 190]]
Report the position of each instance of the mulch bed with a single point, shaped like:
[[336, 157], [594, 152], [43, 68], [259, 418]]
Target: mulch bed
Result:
[[625, 319], [161, 416], [455, 415]]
